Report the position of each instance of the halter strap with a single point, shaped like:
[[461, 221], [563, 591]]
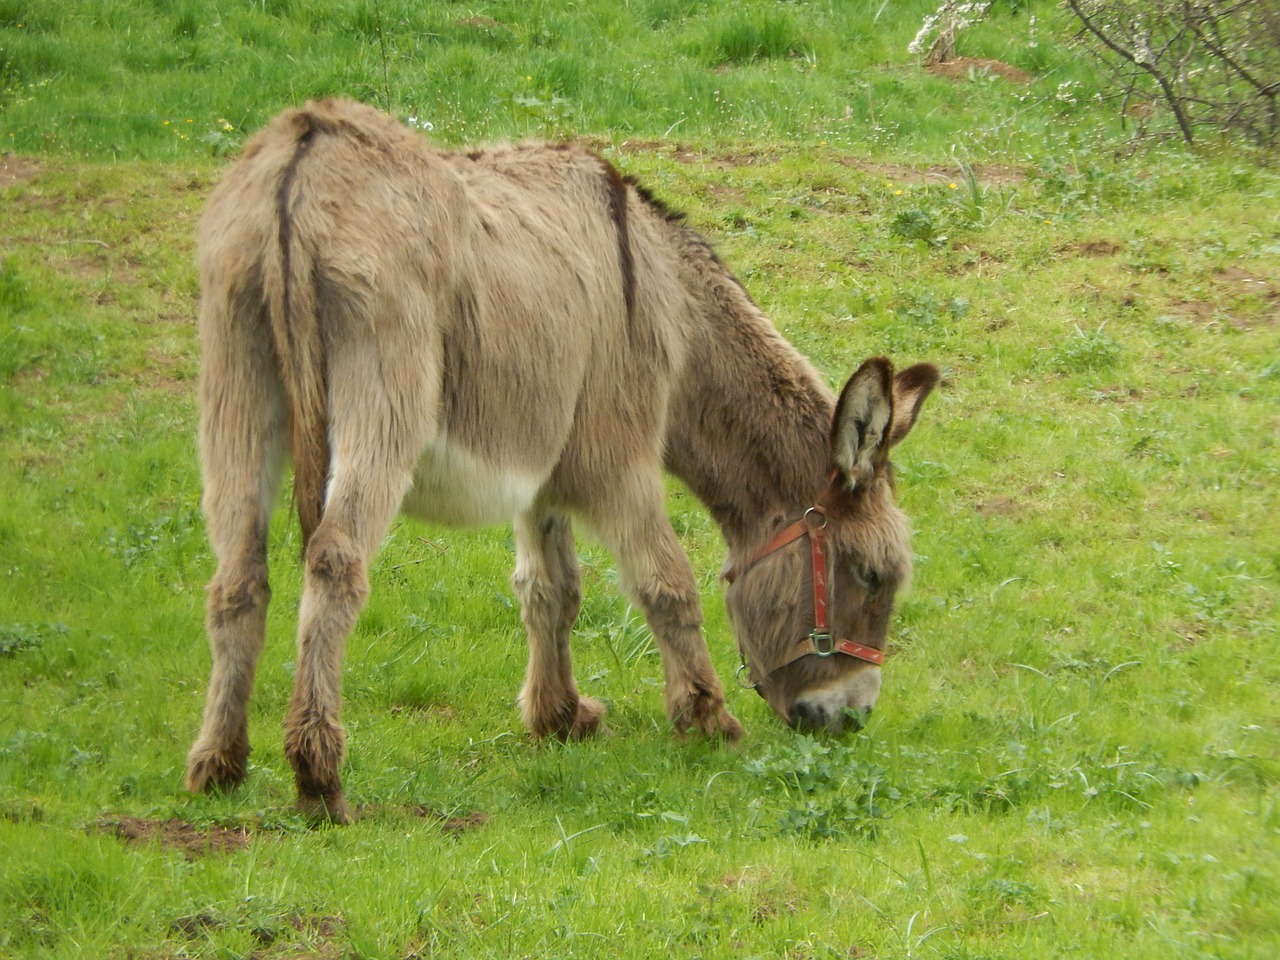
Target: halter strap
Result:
[[819, 642], [788, 534]]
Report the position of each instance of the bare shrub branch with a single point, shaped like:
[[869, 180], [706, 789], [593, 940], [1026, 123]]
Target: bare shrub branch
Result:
[[1214, 63]]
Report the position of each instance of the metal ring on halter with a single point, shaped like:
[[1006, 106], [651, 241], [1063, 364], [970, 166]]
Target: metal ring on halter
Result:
[[747, 684], [818, 511]]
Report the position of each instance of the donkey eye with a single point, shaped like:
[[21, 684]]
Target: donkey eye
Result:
[[867, 577]]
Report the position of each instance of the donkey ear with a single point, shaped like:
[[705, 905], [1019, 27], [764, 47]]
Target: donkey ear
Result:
[[910, 388], [863, 416]]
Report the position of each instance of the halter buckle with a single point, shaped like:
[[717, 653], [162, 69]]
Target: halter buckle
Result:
[[824, 644]]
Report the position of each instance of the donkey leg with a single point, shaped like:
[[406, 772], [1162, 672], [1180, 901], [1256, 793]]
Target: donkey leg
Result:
[[362, 503], [336, 586], [547, 582], [656, 573], [242, 446], [375, 430], [236, 620]]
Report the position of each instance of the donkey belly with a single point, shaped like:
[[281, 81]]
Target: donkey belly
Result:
[[456, 487]]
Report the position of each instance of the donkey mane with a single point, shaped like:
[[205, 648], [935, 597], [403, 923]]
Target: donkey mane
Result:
[[751, 419]]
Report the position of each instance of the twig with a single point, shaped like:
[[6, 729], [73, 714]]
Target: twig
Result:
[[1161, 80]]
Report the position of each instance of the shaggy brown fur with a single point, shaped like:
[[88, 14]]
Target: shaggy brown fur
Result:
[[510, 333]]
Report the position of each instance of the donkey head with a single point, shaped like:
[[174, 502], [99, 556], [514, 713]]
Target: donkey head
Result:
[[811, 610]]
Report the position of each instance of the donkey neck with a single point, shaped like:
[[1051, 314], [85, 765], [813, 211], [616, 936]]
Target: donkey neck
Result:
[[750, 422]]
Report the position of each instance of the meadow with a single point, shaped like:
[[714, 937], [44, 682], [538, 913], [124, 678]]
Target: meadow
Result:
[[1077, 750]]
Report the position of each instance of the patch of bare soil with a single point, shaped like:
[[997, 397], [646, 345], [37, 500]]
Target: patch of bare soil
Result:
[[995, 174], [684, 153], [1242, 283], [453, 826], [18, 811], [986, 173], [479, 23], [962, 68], [1232, 285], [997, 507], [1097, 248], [769, 898], [175, 834], [293, 935], [450, 824], [1117, 393], [15, 169]]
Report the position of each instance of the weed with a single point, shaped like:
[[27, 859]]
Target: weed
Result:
[[157, 540], [18, 637], [223, 139], [918, 225], [926, 310], [550, 115], [672, 843], [829, 791], [1085, 352]]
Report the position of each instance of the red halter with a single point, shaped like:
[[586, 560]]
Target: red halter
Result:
[[819, 642]]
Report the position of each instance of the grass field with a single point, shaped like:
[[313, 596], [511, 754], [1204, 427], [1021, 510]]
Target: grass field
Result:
[[1077, 751]]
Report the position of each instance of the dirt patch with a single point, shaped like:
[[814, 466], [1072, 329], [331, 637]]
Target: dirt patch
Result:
[[769, 897], [20, 812], [962, 68], [684, 153], [997, 174], [453, 826], [1235, 288], [167, 372], [998, 507], [726, 195], [1239, 281], [1197, 311], [431, 712], [174, 834], [14, 169], [742, 158], [290, 935], [479, 23], [1117, 393], [1096, 248]]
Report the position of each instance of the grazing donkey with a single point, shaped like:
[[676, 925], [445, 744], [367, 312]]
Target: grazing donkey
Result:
[[521, 333]]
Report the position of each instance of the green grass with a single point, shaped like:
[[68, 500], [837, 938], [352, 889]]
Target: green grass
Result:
[[1076, 750], [100, 78]]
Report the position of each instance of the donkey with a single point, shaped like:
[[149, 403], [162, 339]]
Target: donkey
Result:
[[520, 333]]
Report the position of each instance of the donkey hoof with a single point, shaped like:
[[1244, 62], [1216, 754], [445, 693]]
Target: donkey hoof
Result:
[[573, 719], [332, 808], [586, 722], [213, 772], [722, 726], [709, 717]]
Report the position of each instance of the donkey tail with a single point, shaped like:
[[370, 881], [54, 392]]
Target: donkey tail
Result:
[[289, 279]]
